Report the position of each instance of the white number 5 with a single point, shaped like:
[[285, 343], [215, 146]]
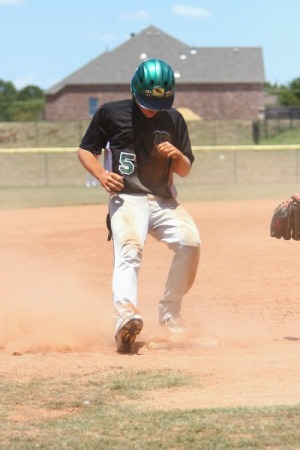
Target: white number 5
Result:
[[126, 166]]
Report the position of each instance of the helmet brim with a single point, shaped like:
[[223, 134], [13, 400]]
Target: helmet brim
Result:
[[154, 103]]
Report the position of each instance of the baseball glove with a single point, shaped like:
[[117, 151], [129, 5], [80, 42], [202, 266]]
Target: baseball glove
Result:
[[286, 219]]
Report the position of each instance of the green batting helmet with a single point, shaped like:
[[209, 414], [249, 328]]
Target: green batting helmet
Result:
[[153, 85]]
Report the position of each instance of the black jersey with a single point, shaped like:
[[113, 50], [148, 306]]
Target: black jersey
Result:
[[131, 137]]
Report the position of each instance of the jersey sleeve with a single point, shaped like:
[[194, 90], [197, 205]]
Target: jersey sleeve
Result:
[[183, 142], [95, 138]]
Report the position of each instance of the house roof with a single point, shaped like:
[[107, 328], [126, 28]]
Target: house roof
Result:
[[209, 65]]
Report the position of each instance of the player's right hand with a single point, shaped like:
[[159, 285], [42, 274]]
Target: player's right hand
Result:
[[112, 182]]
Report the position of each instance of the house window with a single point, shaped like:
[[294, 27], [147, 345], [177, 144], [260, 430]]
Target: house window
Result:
[[93, 105]]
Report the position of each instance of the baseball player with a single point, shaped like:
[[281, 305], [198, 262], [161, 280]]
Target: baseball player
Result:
[[146, 141]]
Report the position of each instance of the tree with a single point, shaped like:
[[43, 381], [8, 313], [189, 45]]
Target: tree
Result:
[[30, 93], [290, 95], [29, 110], [7, 96], [295, 87], [287, 97], [25, 104]]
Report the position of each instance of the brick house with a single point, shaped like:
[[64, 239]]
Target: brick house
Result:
[[213, 82]]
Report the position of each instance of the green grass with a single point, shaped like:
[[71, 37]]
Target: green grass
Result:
[[288, 137], [38, 197], [109, 411]]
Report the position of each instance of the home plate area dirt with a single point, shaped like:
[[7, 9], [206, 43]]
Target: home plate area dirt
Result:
[[243, 313]]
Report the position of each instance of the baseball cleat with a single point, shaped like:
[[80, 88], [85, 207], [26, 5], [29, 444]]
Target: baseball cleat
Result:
[[127, 334], [174, 325]]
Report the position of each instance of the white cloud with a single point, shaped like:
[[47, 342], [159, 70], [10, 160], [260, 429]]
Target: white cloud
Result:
[[25, 80], [190, 12], [101, 37], [11, 2], [139, 15], [32, 80]]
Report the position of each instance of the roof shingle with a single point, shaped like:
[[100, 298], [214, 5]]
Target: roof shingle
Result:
[[200, 65]]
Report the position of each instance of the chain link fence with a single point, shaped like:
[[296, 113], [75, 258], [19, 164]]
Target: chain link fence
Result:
[[213, 165], [202, 132], [69, 134]]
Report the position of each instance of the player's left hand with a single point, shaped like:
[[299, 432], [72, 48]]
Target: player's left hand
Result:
[[168, 150]]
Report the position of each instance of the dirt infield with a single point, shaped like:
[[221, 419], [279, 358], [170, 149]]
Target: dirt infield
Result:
[[243, 311]]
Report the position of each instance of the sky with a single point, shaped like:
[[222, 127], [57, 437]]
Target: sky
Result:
[[44, 41]]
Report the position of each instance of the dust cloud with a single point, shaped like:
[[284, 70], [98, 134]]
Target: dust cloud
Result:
[[43, 309]]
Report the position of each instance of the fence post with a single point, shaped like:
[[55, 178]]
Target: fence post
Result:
[[297, 166], [214, 137], [255, 132], [266, 129], [35, 134], [235, 171], [46, 169]]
